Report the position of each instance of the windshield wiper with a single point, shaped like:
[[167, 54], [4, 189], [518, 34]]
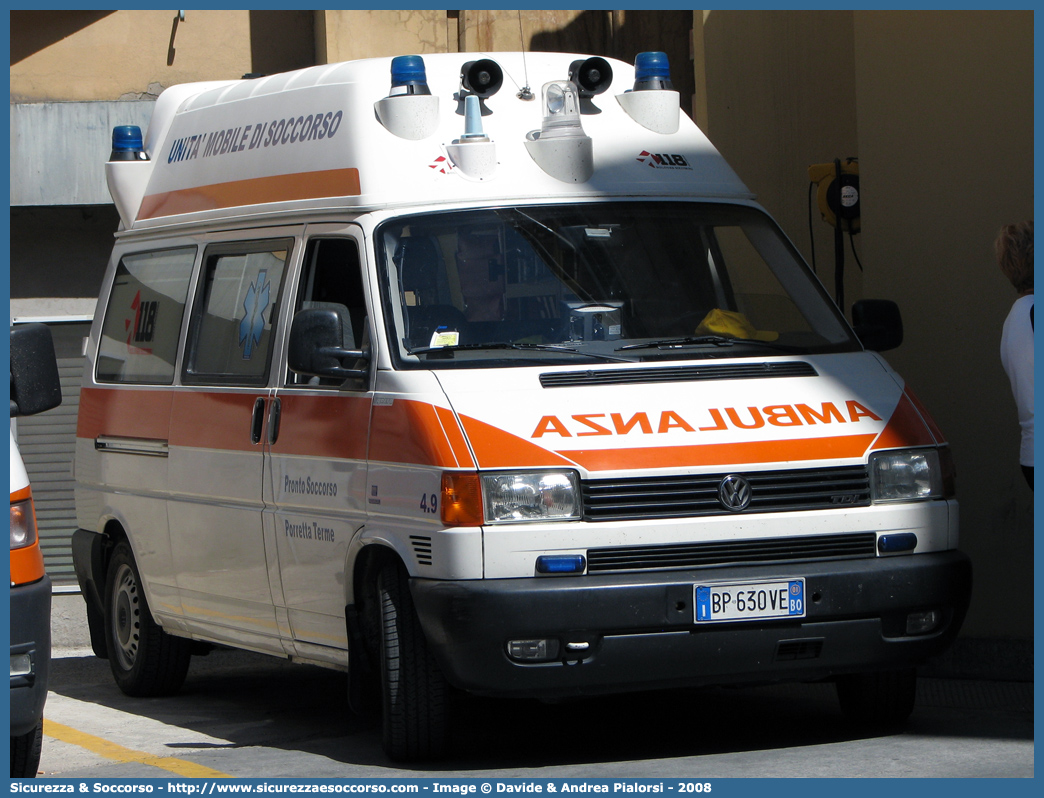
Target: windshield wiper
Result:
[[704, 340], [691, 340], [424, 350]]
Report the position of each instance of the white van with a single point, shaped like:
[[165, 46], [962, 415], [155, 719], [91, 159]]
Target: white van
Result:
[[405, 367], [35, 387]]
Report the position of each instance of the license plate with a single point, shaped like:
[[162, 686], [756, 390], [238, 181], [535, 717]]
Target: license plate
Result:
[[750, 601]]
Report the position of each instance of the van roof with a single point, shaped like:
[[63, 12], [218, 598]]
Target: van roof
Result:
[[340, 137]]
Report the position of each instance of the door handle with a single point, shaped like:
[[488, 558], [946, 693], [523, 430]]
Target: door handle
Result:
[[257, 421], [274, 411]]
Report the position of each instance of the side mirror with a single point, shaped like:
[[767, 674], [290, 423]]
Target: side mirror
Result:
[[35, 385], [315, 346], [878, 324]]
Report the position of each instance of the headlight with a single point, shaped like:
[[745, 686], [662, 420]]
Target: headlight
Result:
[[23, 524], [908, 475], [531, 496]]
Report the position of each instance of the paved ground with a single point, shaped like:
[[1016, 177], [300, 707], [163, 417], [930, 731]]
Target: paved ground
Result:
[[246, 715]]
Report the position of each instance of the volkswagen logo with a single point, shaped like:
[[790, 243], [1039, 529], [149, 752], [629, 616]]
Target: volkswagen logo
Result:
[[734, 493]]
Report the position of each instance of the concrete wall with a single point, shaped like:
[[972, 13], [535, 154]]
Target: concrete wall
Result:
[[945, 113], [938, 107], [780, 97], [61, 56], [348, 35], [51, 167]]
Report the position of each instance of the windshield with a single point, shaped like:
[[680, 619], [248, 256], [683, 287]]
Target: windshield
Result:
[[617, 281]]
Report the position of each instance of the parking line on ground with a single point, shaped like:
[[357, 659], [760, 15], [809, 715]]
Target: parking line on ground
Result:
[[111, 750]]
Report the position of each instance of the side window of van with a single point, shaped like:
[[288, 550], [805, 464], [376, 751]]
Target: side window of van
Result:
[[331, 279], [230, 336], [139, 338]]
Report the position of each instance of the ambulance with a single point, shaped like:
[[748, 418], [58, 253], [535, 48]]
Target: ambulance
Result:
[[35, 387], [485, 373]]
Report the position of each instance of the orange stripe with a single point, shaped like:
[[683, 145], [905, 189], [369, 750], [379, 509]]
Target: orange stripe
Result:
[[123, 412], [905, 428], [495, 448], [213, 420], [410, 432], [254, 191], [722, 454], [323, 426], [455, 436]]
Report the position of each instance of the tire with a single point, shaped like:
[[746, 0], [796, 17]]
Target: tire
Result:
[[25, 753], [145, 660], [414, 693], [882, 699]]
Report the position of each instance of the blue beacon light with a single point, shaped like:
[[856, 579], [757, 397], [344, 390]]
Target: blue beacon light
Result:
[[127, 144], [652, 72], [408, 75]]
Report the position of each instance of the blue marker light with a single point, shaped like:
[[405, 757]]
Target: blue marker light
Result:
[[408, 75], [902, 541], [652, 72], [561, 564]]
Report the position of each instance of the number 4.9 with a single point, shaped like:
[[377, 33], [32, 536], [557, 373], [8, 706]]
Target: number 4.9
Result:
[[429, 503]]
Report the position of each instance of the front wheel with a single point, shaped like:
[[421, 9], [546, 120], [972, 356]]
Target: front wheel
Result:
[[881, 699], [25, 753], [414, 693], [145, 660]]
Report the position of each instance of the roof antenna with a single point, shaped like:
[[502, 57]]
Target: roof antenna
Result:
[[525, 93]]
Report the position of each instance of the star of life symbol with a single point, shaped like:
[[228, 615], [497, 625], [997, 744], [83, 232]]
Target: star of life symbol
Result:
[[255, 304], [441, 165]]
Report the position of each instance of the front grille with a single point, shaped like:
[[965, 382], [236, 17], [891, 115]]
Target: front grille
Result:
[[709, 371], [732, 552], [636, 498]]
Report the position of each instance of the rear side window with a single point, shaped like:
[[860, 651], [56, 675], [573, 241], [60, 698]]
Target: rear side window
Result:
[[139, 339], [230, 338]]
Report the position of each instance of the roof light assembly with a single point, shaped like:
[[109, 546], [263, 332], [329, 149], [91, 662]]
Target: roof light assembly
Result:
[[127, 171], [653, 103], [561, 147], [410, 111]]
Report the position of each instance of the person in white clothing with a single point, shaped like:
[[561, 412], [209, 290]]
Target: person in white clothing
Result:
[[1014, 247]]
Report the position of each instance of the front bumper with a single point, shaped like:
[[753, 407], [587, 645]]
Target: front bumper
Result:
[[640, 632], [30, 637]]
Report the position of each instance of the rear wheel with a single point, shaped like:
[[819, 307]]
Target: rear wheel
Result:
[[25, 753], [879, 699], [145, 660], [414, 693]]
